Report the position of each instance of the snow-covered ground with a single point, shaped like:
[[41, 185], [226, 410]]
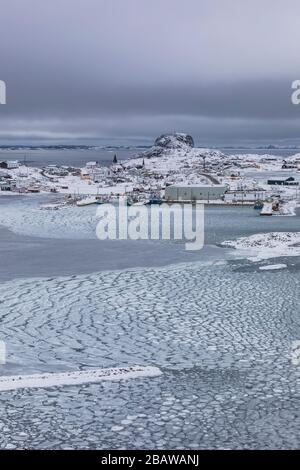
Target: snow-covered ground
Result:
[[288, 208], [273, 267], [267, 245]]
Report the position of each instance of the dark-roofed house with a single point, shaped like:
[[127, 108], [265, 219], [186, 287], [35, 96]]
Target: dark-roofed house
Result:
[[283, 181]]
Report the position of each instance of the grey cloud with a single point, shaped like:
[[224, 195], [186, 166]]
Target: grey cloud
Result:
[[128, 69]]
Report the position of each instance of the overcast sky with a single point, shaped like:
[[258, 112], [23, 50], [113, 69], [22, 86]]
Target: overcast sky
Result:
[[124, 71]]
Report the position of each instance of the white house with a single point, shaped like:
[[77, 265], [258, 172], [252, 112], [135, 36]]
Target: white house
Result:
[[12, 164], [246, 195]]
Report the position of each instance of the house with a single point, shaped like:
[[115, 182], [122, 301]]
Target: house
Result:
[[283, 181], [12, 164], [248, 195], [101, 174], [289, 166], [5, 186], [84, 175], [91, 165]]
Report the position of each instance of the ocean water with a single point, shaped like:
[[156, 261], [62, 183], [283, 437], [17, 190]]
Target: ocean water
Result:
[[36, 242], [75, 157]]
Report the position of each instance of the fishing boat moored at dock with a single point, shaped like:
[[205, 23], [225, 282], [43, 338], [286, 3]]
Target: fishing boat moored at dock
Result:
[[86, 201], [258, 205], [267, 209]]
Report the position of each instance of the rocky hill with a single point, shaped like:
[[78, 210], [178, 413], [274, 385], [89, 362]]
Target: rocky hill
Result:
[[169, 142]]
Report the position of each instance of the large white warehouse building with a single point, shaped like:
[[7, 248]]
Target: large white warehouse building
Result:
[[197, 192]]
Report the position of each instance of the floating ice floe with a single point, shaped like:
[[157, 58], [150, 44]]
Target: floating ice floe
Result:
[[75, 378], [267, 245], [273, 267]]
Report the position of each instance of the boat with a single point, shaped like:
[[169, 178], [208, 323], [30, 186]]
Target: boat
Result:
[[101, 201], [155, 200], [140, 203], [258, 205], [267, 209], [69, 199], [33, 189], [52, 206], [87, 201], [124, 201]]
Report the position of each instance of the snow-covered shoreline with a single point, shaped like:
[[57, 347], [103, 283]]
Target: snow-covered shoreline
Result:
[[264, 246]]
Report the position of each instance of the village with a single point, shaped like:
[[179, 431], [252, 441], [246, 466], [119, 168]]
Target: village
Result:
[[173, 170]]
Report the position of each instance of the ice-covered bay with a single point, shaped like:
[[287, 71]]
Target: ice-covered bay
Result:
[[221, 337], [221, 333], [24, 216], [141, 316]]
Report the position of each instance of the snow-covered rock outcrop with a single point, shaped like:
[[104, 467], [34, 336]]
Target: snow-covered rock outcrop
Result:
[[263, 246], [177, 140], [170, 142]]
